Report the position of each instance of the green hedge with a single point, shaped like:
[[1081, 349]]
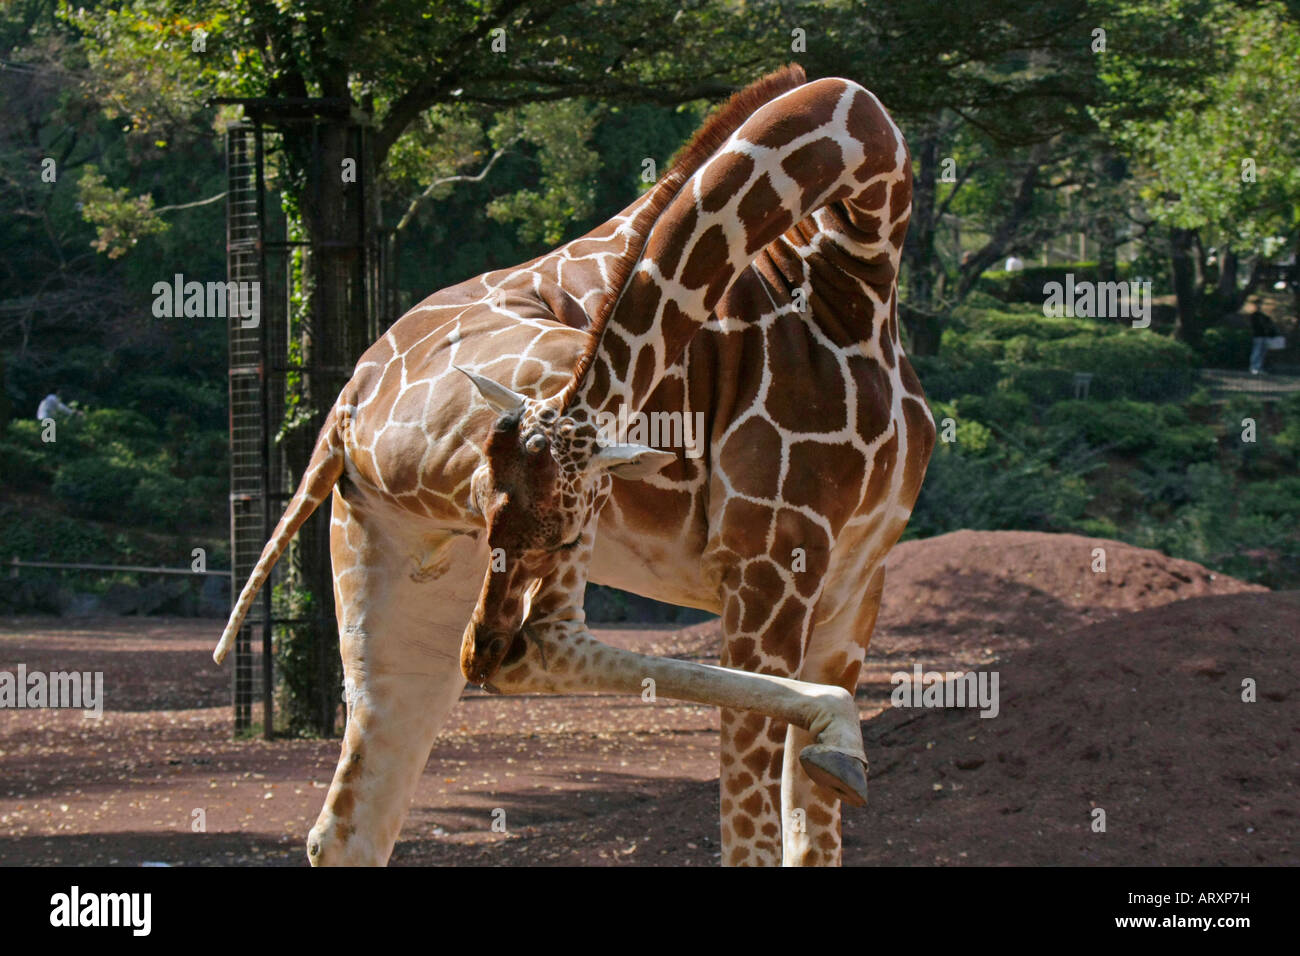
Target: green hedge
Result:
[[1026, 285]]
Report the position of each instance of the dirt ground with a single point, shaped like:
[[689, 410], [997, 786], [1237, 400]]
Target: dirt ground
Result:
[[1119, 690]]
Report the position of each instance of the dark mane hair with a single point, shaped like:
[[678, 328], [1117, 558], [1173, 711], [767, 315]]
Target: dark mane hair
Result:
[[724, 121]]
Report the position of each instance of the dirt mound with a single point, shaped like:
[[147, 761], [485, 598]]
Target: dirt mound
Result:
[[1141, 716], [1005, 589]]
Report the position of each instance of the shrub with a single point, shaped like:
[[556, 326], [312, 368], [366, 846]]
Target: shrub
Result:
[[1129, 363], [159, 499], [95, 488], [1225, 347], [1026, 285], [1123, 426]]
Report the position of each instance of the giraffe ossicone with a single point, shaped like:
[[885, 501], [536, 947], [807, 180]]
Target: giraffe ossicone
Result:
[[752, 289]]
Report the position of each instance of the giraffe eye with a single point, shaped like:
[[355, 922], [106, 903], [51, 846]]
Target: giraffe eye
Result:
[[536, 444]]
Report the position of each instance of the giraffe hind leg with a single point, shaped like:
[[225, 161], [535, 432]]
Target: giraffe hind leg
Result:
[[399, 635]]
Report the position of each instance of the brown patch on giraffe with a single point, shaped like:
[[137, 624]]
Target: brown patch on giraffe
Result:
[[776, 764], [866, 121], [746, 456], [344, 803], [740, 650], [599, 390], [754, 611], [677, 328], [908, 374], [771, 830], [825, 477], [650, 507], [819, 815], [739, 855], [354, 766], [861, 228], [704, 266], [647, 293], [882, 470], [813, 396], [809, 110], [876, 271], [343, 831], [898, 233], [848, 679], [741, 782], [721, 180], [920, 443], [823, 158], [744, 522], [873, 197], [900, 199], [762, 214], [763, 576], [743, 351], [875, 397], [755, 760], [644, 373], [617, 351], [753, 804], [744, 827], [731, 621], [886, 341], [665, 248], [783, 638]]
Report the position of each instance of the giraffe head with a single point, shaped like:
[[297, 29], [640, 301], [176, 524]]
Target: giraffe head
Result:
[[544, 477]]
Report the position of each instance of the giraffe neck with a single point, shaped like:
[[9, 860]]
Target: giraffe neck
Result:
[[826, 147]]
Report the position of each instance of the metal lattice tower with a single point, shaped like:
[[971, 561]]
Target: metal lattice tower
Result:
[[255, 475], [354, 264]]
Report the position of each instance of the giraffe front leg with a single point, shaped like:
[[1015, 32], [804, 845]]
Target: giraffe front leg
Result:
[[559, 658]]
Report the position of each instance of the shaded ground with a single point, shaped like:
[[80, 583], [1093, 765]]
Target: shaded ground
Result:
[[1119, 690]]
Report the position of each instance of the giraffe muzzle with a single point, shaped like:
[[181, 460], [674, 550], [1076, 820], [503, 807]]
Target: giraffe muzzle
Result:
[[482, 653]]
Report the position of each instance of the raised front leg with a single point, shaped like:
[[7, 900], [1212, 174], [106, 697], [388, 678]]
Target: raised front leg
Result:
[[555, 653]]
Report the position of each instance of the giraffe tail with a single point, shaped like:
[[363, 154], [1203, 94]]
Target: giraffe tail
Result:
[[324, 469]]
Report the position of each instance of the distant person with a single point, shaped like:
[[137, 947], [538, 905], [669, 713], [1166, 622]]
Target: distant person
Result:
[[1262, 329], [1014, 263], [51, 405]]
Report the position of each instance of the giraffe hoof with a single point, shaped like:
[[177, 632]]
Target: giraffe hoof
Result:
[[843, 773]]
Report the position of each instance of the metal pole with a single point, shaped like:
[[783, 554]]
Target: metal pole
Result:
[[268, 517]]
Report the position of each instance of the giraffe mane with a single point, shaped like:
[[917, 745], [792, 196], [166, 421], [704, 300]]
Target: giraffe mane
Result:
[[716, 130]]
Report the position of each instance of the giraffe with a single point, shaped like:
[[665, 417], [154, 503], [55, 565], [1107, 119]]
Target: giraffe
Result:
[[474, 494]]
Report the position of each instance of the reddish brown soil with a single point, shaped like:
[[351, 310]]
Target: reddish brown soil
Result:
[[1119, 690]]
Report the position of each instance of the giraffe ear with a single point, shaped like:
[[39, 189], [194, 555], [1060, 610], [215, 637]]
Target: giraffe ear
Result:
[[502, 399], [631, 461]]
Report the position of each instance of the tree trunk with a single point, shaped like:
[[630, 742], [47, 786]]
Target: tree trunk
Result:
[[924, 328], [332, 334], [1107, 249], [1225, 289], [1182, 246]]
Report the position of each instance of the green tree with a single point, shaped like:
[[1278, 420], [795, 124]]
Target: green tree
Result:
[[1220, 167]]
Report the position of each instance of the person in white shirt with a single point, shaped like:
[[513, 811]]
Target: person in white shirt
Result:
[[50, 404]]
